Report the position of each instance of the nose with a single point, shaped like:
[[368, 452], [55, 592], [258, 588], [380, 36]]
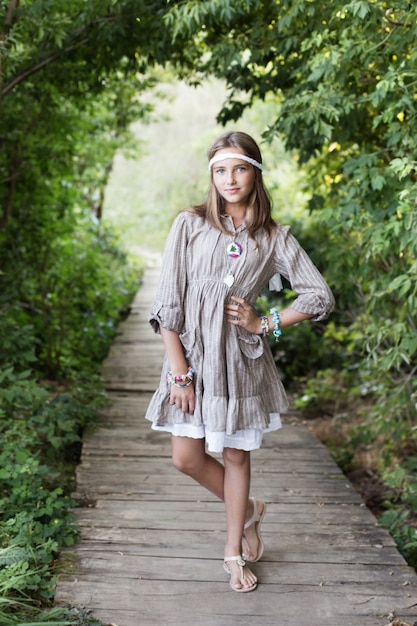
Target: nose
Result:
[[231, 177]]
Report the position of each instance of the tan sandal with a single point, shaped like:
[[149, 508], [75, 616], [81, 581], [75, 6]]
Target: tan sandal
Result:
[[241, 564], [256, 519]]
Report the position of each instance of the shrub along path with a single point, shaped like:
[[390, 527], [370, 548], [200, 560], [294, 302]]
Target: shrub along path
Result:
[[152, 540]]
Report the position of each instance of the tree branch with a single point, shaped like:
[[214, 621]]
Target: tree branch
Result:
[[390, 20], [10, 13], [13, 4], [53, 56], [36, 68], [7, 209]]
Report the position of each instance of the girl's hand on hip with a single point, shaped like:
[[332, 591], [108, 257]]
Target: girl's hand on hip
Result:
[[243, 314]]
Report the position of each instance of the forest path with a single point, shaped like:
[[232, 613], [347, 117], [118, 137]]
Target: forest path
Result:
[[152, 540]]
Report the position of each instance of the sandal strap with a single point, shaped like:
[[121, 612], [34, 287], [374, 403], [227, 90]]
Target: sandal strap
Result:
[[238, 558], [255, 517], [241, 563]]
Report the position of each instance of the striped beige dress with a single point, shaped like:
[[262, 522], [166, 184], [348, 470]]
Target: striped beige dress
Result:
[[238, 393]]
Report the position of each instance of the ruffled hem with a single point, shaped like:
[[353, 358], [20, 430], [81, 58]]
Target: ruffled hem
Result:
[[219, 414], [249, 439]]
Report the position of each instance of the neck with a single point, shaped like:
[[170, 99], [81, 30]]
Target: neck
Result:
[[237, 212]]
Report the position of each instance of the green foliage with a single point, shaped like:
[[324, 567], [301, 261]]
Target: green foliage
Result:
[[64, 280], [395, 520], [22, 612], [326, 393], [69, 296], [70, 81], [399, 519], [67, 96], [38, 431]]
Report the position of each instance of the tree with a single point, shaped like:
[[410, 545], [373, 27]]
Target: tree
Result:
[[54, 56], [72, 75]]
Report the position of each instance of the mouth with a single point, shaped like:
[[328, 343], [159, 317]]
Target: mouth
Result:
[[233, 190]]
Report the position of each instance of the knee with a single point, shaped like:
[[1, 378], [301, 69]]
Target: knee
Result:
[[184, 463], [187, 454], [235, 456]]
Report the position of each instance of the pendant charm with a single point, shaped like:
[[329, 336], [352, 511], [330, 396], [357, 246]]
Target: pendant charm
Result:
[[229, 280], [234, 249]]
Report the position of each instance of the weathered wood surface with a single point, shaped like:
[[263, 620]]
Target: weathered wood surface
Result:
[[152, 540]]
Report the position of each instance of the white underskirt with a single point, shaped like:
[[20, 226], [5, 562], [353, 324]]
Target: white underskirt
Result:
[[216, 441]]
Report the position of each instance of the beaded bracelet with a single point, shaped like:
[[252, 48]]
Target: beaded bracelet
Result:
[[277, 332], [182, 380], [264, 326], [182, 385]]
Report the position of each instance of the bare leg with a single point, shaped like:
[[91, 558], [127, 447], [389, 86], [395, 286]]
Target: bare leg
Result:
[[236, 493], [229, 483], [190, 457]]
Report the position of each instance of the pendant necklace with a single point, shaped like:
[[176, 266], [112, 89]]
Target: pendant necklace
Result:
[[234, 250]]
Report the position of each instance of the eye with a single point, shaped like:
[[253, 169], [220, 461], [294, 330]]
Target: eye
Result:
[[241, 168], [219, 170]]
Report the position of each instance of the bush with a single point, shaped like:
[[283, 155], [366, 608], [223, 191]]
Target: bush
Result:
[[37, 430], [70, 293], [55, 328]]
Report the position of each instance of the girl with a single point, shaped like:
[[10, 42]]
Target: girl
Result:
[[219, 383]]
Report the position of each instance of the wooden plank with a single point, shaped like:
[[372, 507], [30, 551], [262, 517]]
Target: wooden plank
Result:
[[281, 548], [300, 536], [134, 472], [151, 491], [131, 564], [123, 511], [156, 602]]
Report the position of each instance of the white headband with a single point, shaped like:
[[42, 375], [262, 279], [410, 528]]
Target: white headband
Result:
[[234, 155]]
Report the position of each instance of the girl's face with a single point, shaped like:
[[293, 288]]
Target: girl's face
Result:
[[234, 179]]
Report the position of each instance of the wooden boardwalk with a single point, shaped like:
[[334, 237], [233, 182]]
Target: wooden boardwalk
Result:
[[152, 540]]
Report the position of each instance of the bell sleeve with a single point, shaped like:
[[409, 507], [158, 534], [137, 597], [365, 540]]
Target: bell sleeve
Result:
[[168, 308], [314, 296]]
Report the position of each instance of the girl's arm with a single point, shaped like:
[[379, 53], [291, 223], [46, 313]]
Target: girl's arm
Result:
[[289, 317], [243, 314], [182, 397]]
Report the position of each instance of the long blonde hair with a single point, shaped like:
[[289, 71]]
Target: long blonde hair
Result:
[[258, 213]]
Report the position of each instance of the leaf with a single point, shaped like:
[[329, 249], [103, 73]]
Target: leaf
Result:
[[377, 182], [359, 8]]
